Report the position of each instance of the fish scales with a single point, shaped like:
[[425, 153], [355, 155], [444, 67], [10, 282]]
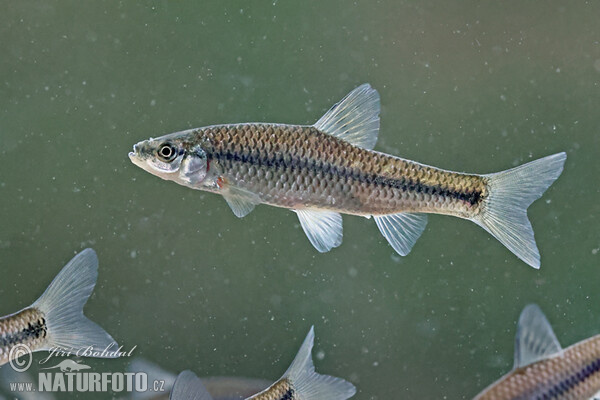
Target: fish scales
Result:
[[27, 327], [297, 166], [574, 374], [299, 382], [55, 321], [329, 168], [280, 390]]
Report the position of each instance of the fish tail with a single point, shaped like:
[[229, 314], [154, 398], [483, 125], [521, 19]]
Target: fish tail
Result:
[[309, 385], [504, 211], [62, 305]]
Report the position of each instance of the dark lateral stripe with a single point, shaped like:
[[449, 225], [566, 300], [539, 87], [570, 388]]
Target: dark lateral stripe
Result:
[[288, 395], [33, 330], [404, 184], [571, 382]]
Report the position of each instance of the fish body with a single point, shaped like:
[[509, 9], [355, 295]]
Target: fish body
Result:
[[330, 168], [56, 320], [27, 327], [300, 167], [300, 382], [233, 388], [219, 387], [543, 370]]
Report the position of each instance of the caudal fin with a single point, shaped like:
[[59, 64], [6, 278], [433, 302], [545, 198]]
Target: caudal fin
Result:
[[310, 385], [504, 213], [62, 304]]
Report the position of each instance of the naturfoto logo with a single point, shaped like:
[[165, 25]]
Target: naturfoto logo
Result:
[[72, 376]]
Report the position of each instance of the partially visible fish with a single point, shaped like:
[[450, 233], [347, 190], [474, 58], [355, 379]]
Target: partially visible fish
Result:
[[219, 387], [154, 373], [300, 382], [328, 168], [543, 369], [56, 320], [233, 387]]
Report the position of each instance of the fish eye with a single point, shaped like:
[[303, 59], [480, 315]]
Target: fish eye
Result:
[[167, 152]]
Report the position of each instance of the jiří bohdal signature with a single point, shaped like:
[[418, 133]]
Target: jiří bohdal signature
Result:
[[111, 351]]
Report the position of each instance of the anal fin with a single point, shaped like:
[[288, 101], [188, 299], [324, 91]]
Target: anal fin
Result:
[[401, 230], [323, 228]]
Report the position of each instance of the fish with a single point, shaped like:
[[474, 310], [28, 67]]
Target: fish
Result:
[[219, 387], [543, 369], [300, 382], [327, 169], [55, 321]]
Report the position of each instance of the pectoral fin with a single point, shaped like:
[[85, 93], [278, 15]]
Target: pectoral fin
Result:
[[241, 201], [323, 228], [535, 340]]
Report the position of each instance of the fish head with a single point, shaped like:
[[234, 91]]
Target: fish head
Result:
[[175, 157]]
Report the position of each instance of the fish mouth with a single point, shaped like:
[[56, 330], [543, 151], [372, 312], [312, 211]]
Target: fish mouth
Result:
[[135, 154]]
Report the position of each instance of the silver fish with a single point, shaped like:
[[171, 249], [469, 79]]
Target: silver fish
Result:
[[300, 382], [56, 320], [219, 387], [543, 369], [329, 168]]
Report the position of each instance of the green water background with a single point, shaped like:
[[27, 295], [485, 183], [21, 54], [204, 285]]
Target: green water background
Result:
[[468, 86]]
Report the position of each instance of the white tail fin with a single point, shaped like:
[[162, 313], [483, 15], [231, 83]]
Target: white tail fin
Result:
[[189, 387], [310, 385], [62, 304], [510, 193]]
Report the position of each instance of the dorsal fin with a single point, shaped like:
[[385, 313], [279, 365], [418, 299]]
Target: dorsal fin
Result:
[[355, 118], [188, 386], [535, 340]]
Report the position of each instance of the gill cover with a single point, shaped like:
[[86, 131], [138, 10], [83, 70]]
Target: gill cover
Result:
[[194, 166]]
